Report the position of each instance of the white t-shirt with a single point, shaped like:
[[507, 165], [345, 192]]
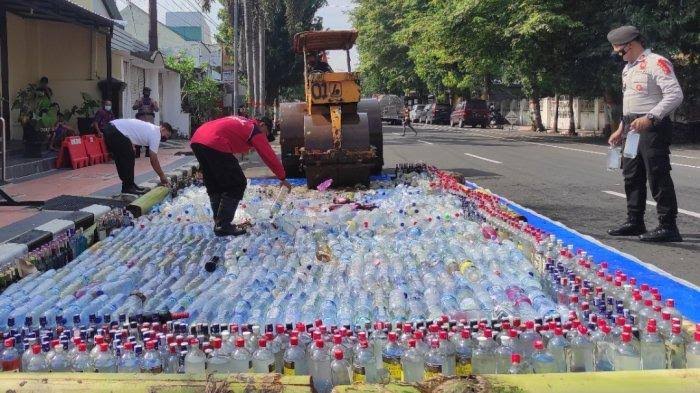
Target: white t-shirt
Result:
[[139, 132]]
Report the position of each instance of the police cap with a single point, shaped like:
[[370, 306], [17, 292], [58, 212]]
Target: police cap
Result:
[[623, 35]]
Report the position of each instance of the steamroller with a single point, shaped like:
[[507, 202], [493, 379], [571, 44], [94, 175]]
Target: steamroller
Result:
[[333, 134]]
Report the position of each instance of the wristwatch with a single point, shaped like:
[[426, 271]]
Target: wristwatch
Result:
[[652, 118]]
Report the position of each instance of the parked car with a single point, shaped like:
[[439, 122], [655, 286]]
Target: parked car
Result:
[[391, 107], [424, 114], [438, 114], [416, 112], [471, 113]]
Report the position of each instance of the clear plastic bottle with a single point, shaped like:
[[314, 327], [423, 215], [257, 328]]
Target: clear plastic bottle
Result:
[[652, 350], [526, 340], [464, 354], [434, 361], [483, 357], [280, 341], [129, 362], [242, 360], [195, 361], [675, 348], [517, 366], [450, 352], [82, 362], [11, 360], [218, 362], [171, 363], [321, 367], [340, 369], [37, 361], [412, 363], [626, 355], [105, 361], [60, 362], [295, 361], [364, 367], [601, 348], [542, 361], [151, 362], [692, 352], [581, 357], [504, 352], [263, 359], [391, 358]]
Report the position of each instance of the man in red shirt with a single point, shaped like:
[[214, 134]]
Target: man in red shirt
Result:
[[214, 144]]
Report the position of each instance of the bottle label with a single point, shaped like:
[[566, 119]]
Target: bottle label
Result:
[[393, 367], [432, 370], [358, 373], [464, 366], [288, 368]]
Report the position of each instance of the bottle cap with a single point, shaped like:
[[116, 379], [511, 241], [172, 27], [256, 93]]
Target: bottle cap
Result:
[[515, 358], [651, 321], [294, 341], [434, 343], [407, 328], [412, 343], [262, 343], [216, 343], [443, 335], [539, 344], [666, 316], [338, 354], [36, 349], [620, 321], [626, 337], [697, 337], [364, 344], [670, 303], [104, 347], [465, 334], [280, 329], [676, 329], [240, 342], [392, 337], [319, 343], [488, 333], [150, 345], [651, 328], [9, 342], [269, 336], [82, 347]]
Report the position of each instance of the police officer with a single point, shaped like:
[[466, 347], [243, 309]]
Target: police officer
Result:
[[146, 109], [651, 93]]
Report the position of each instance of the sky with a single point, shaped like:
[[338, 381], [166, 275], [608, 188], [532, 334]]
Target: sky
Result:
[[335, 16]]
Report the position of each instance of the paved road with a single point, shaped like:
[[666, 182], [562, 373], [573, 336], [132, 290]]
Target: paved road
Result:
[[561, 178]]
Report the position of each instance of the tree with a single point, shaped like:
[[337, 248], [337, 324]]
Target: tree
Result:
[[201, 95]]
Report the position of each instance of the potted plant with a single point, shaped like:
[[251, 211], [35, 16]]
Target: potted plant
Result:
[[87, 113], [37, 115]]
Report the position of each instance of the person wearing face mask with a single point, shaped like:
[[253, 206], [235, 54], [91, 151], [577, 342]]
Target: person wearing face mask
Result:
[[146, 109], [102, 117], [214, 144], [650, 93]]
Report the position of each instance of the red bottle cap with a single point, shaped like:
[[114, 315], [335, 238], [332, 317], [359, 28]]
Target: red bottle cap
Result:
[[666, 316], [364, 344], [515, 358], [412, 343], [539, 344], [149, 345], [392, 337], [9, 342], [294, 341], [465, 334], [104, 347], [36, 349], [216, 343], [319, 343], [240, 342], [337, 339], [670, 303], [262, 343], [418, 334], [443, 335], [338, 354], [407, 328], [82, 347], [626, 337], [280, 329]]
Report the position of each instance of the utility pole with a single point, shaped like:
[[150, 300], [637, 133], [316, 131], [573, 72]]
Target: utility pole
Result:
[[233, 14], [153, 26]]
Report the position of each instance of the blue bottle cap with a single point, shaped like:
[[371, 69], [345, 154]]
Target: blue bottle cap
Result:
[[59, 319], [76, 319], [28, 321], [10, 322], [107, 318], [91, 318], [42, 321], [45, 347], [98, 320], [122, 318]]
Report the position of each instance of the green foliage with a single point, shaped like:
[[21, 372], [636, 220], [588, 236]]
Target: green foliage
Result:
[[89, 106], [201, 95], [35, 107]]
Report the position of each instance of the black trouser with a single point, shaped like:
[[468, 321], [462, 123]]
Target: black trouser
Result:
[[123, 154], [222, 173], [653, 163]]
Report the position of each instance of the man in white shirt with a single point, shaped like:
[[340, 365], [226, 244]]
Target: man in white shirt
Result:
[[122, 135]]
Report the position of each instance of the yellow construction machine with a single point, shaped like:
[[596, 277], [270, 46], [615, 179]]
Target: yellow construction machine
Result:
[[334, 134]]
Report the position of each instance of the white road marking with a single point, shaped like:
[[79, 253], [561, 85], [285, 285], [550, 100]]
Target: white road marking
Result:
[[652, 203], [689, 157], [685, 165], [430, 143], [482, 158], [567, 148]]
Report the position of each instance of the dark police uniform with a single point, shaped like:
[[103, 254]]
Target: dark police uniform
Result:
[[650, 89]]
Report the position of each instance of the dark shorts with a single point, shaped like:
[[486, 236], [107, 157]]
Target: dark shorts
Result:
[[222, 173]]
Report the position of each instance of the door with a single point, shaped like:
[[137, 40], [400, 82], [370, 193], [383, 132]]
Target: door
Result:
[[136, 83]]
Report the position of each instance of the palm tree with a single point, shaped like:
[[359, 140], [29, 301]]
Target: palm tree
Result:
[[262, 25], [248, 20]]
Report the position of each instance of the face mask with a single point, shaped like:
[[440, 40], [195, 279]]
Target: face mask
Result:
[[146, 94], [108, 108]]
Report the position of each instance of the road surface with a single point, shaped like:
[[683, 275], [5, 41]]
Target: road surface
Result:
[[562, 178]]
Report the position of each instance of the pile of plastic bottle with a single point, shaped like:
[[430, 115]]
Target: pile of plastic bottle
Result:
[[414, 249]]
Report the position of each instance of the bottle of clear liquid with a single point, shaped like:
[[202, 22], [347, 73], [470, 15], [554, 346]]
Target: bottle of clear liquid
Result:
[[652, 350], [450, 352], [483, 357], [60, 362], [413, 363], [391, 358], [692, 352], [542, 361], [626, 355], [364, 367], [504, 352], [37, 361], [129, 362], [434, 360], [526, 341], [82, 362], [105, 361], [601, 348], [614, 158], [517, 366], [379, 340], [675, 348], [280, 341], [340, 369], [195, 361], [279, 201], [631, 144], [464, 354], [295, 361], [11, 360], [321, 367], [171, 363], [263, 359], [151, 362], [581, 352], [242, 360], [218, 362]]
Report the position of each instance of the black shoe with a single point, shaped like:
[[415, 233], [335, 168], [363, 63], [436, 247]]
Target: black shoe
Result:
[[662, 234], [230, 230], [629, 228], [142, 189], [133, 190]]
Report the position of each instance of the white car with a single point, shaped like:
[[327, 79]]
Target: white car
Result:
[[392, 108], [417, 112]]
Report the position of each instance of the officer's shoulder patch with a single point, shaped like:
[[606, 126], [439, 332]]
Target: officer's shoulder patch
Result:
[[665, 66]]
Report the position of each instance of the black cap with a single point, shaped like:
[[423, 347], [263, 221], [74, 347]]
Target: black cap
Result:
[[146, 88], [623, 35]]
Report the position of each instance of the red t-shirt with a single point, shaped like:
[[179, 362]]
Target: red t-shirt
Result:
[[238, 135]]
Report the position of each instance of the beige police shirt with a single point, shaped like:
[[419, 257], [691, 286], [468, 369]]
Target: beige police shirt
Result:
[[649, 85]]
